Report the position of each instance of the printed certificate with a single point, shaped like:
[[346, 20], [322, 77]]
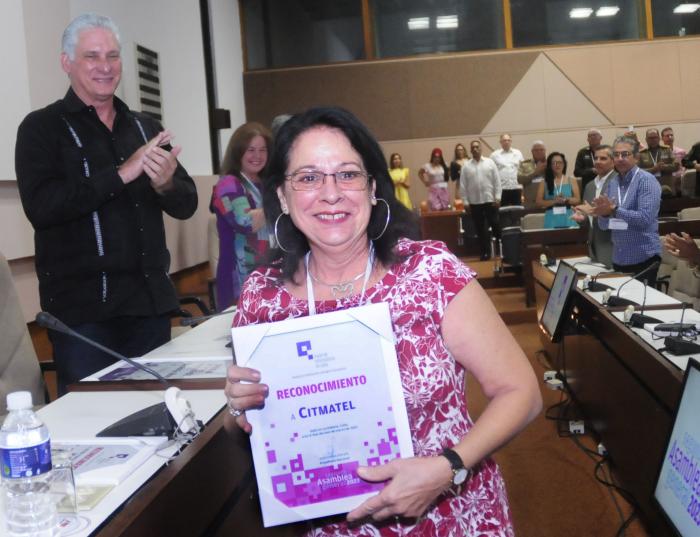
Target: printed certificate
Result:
[[335, 402]]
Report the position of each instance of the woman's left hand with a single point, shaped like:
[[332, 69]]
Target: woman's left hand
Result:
[[413, 485]]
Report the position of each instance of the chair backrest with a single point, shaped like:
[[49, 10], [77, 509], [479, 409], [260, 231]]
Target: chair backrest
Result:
[[19, 367], [533, 221], [213, 244], [684, 285], [688, 184], [689, 213]]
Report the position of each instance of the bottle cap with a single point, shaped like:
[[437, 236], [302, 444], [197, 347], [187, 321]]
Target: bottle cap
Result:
[[19, 400]]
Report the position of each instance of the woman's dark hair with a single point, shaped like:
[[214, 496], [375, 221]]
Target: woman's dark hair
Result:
[[238, 144], [549, 173], [391, 160], [445, 169], [402, 223], [466, 153]]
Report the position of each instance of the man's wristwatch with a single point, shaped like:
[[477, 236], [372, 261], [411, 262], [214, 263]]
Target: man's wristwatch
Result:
[[459, 472]]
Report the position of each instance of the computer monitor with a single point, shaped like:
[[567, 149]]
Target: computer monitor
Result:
[[677, 488], [557, 307]]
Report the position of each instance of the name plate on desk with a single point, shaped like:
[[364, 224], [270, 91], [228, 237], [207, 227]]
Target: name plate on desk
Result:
[[335, 403]]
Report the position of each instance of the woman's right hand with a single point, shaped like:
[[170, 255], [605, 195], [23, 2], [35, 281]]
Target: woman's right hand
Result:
[[257, 217], [243, 391]]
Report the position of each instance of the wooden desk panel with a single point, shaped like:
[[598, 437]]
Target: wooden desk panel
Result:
[[207, 489], [444, 226], [625, 390]]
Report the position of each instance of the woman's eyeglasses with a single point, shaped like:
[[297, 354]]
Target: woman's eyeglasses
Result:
[[313, 180]]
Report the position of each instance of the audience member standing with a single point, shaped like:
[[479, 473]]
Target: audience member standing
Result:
[[692, 162], [630, 210], [669, 138], [585, 158], [508, 160], [237, 203], [658, 160], [599, 240], [531, 173], [480, 188], [400, 177], [95, 179], [558, 193], [460, 157], [434, 175]]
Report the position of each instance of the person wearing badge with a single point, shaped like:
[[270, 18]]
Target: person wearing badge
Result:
[[558, 193], [345, 241], [237, 203], [630, 210]]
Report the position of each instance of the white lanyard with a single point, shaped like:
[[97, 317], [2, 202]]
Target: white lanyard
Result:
[[310, 283], [620, 199], [557, 192], [652, 156], [254, 190]]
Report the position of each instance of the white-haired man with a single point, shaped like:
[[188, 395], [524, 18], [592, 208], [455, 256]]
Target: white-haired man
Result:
[[94, 179], [585, 158]]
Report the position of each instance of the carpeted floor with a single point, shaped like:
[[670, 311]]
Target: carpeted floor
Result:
[[550, 480]]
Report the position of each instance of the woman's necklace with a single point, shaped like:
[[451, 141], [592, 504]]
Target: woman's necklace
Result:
[[339, 289]]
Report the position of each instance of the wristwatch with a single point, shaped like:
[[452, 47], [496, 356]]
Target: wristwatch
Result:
[[459, 472]]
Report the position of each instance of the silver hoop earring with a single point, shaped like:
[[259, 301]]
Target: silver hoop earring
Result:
[[277, 239], [386, 224]]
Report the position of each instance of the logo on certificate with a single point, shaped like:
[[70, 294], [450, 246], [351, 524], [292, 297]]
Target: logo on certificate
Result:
[[303, 348]]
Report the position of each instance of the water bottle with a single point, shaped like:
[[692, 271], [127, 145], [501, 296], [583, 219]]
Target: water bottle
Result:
[[25, 451]]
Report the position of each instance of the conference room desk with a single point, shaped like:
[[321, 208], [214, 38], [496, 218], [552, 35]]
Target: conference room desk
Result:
[[572, 241], [625, 389], [207, 489], [445, 226]]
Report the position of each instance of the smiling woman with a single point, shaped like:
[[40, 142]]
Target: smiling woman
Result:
[[344, 240], [237, 203]]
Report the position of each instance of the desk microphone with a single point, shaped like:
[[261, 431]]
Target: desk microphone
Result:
[[592, 284], [161, 419], [617, 300], [189, 321], [678, 345], [47, 320], [638, 320]]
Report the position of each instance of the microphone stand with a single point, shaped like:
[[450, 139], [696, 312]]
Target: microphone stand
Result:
[[154, 420], [593, 286], [47, 320], [617, 300], [638, 320]]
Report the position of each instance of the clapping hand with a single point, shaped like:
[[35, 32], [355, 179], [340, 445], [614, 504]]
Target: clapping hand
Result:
[[603, 206], [683, 246]]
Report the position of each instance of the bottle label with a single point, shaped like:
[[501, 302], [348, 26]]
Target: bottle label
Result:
[[26, 461]]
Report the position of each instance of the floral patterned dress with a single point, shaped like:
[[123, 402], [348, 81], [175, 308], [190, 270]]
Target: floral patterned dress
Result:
[[418, 290]]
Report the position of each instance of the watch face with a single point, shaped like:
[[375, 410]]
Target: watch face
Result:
[[460, 476]]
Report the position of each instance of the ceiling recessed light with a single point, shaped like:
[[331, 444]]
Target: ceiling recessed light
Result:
[[447, 21], [686, 8], [419, 23], [580, 12], [607, 11]]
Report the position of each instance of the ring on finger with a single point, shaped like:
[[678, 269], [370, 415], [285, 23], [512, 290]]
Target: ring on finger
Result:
[[235, 412]]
